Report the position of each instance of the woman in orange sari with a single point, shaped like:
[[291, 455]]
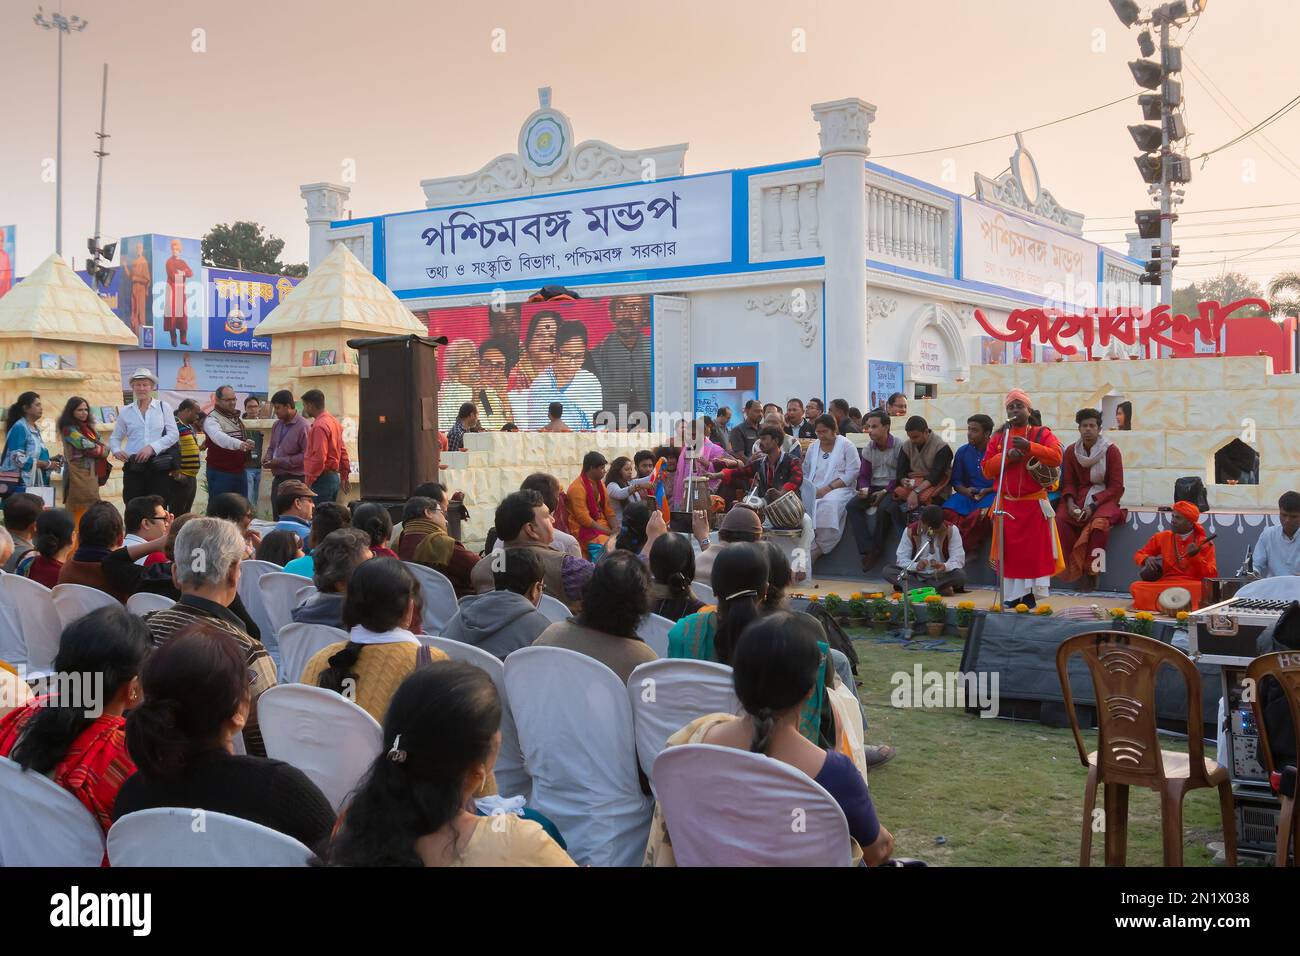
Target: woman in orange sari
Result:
[[1032, 549]]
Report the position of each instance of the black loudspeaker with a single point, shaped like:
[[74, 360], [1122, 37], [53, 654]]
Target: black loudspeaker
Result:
[[1190, 488], [397, 430]]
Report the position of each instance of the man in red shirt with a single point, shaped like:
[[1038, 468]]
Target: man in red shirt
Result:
[[326, 468]]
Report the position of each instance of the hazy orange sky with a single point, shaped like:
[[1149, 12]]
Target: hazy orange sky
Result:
[[288, 91]]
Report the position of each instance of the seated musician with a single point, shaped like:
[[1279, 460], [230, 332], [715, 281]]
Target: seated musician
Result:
[[924, 472], [1092, 484], [1180, 557], [772, 472], [941, 566], [969, 505], [1277, 552]]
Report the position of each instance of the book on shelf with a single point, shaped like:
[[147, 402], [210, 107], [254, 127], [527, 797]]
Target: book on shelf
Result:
[[309, 358]]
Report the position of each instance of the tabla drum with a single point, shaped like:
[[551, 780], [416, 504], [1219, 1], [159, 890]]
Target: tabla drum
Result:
[[1173, 600], [786, 512]]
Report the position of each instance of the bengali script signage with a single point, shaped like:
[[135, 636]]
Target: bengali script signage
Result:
[[636, 228], [1005, 250], [1128, 325]]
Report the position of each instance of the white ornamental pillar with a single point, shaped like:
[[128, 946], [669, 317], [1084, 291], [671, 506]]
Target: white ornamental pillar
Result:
[[325, 204], [844, 128]]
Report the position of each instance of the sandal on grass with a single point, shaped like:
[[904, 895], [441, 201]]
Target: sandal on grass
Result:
[[878, 754]]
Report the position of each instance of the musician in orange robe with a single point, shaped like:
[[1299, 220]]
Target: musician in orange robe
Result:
[[174, 318], [1032, 549], [1177, 558]]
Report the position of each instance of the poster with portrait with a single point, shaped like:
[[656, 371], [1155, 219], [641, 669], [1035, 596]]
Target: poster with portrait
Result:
[[883, 380], [8, 258], [180, 299], [993, 351], [135, 287], [593, 357], [725, 386]]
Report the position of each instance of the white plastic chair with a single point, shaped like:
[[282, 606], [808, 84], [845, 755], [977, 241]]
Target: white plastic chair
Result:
[[41, 824], [299, 643], [439, 595], [512, 775], [728, 807], [13, 649], [704, 592], [554, 609], [73, 601], [654, 629], [576, 734], [32, 606], [323, 734], [667, 695], [173, 836], [146, 603], [250, 572], [279, 596]]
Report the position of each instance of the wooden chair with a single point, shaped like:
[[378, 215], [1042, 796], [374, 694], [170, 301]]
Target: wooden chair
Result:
[[1285, 669], [1123, 668]]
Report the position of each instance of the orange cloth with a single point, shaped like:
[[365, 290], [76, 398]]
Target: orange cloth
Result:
[[325, 449], [1180, 571], [1033, 547], [580, 516]]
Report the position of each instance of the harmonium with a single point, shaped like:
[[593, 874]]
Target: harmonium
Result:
[[1226, 633], [1214, 590]]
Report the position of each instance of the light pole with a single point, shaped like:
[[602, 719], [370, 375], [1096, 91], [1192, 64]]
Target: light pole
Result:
[[61, 24]]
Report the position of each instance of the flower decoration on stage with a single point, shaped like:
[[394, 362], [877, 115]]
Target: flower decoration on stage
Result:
[[1022, 608], [1143, 623], [1117, 613], [1182, 620], [936, 611], [857, 606], [995, 608], [834, 605], [882, 611], [1043, 610], [965, 613]]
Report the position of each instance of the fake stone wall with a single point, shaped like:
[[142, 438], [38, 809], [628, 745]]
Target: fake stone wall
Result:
[[1184, 410]]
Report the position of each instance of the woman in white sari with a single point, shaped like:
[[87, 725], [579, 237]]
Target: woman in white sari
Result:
[[830, 475]]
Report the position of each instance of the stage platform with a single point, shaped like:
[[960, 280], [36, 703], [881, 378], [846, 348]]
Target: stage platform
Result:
[[1236, 531]]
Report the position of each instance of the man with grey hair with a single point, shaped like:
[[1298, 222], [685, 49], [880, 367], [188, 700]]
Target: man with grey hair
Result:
[[6, 547], [335, 558], [206, 570]]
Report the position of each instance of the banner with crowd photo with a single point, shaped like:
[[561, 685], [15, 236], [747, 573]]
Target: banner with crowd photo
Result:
[[161, 296], [237, 303], [593, 356]]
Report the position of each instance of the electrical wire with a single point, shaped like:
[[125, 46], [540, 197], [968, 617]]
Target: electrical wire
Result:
[[1262, 124], [1027, 129], [1199, 212], [1207, 83]]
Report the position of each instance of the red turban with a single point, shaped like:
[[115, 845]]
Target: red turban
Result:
[[1014, 394], [1188, 511]]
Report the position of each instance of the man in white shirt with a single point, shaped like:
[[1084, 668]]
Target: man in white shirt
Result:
[[1277, 552], [941, 566], [145, 429]]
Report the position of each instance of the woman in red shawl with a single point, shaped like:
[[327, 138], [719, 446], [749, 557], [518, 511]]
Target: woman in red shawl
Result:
[[78, 738], [1178, 558], [1032, 551], [591, 513]]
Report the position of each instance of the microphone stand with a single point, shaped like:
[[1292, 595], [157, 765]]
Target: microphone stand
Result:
[[1000, 514], [907, 600]]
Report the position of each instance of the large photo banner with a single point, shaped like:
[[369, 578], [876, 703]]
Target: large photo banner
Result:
[[1005, 250], [237, 303], [640, 227], [7, 258], [161, 296], [588, 355]]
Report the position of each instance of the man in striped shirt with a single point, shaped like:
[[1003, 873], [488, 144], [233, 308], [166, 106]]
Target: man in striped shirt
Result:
[[185, 480]]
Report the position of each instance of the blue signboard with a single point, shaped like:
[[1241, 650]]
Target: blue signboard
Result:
[[883, 380], [237, 302]]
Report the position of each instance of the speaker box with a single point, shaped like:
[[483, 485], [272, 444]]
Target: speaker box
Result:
[[397, 430]]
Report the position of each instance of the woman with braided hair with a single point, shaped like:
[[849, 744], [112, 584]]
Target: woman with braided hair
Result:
[[776, 668]]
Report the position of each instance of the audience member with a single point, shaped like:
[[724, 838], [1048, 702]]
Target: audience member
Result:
[[744, 433], [613, 604], [185, 479], [288, 444], [326, 518], [624, 487], [506, 619], [839, 413], [548, 486], [372, 519], [830, 477], [208, 588], [99, 534], [672, 569], [146, 519], [441, 736], [740, 524], [233, 507], [196, 698], [969, 505], [20, 512], [740, 586], [334, 560], [53, 544], [378, 609], [280, 547], [523, 520], [326, 468], [82, 750], [435, 547], [294, 502]]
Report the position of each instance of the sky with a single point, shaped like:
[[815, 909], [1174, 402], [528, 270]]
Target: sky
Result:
[[220, 111]]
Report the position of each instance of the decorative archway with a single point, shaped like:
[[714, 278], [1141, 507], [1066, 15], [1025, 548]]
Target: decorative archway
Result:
[[936, 321]]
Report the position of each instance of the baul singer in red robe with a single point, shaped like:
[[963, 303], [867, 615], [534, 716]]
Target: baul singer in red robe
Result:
[[1032, 549], [1178, 558]]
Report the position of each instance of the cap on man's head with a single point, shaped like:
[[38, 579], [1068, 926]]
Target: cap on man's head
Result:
[[298, 489], [741, 518], [143, 373]]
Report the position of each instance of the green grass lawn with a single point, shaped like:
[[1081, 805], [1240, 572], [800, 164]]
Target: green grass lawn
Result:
[[1001, 793]]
